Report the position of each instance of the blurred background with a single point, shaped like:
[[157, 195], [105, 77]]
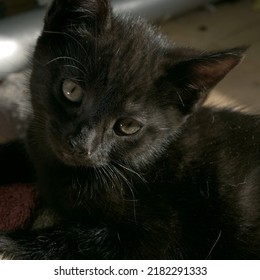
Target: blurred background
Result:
[[205, 24]]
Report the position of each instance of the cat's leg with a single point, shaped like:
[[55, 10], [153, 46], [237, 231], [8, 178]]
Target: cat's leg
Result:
[[15, 165], [61, 242], [76, 241]]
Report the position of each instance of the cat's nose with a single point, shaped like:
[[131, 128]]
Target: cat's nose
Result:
[[84, 142], [75, 146], [72, 144]]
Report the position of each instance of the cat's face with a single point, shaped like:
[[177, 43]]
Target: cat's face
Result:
[[112, 90], [99, 102]]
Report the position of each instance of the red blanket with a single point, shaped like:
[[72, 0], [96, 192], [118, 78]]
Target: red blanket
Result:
[[17, 205]]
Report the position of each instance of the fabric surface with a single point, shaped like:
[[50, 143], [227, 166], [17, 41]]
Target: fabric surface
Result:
[[17, 205]]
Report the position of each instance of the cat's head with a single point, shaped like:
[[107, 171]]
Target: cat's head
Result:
[[109, 89]]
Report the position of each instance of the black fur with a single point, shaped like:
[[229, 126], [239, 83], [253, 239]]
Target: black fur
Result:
[[185, 186]]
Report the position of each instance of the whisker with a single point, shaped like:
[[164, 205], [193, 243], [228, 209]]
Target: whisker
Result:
[[104, 174], [214, 245], [164, 128], [180, 99], [68, 35], [75, 67], [78, 186], [132, 171], [131, 189], [69, 58]]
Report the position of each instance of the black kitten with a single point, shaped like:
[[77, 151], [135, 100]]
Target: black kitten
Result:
[[124, 152]]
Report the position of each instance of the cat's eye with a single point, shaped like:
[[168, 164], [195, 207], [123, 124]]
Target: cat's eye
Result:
[[127, 127], [72, 91]]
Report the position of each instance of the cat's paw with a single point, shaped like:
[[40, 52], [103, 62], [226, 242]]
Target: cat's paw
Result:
[[9, 250]]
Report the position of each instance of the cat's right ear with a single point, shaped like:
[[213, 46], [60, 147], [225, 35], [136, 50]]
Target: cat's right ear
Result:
[[92, 15]]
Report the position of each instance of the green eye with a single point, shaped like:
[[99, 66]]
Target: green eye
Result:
[[127, 127], [72, 91]]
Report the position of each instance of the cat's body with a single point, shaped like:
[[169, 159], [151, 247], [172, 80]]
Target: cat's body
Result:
[[124, 153]]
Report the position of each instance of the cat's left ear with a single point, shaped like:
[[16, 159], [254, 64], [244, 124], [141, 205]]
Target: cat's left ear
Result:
[[196, 74], [94, 15]]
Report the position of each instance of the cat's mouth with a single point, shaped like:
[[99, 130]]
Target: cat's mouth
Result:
[[76, 157], [80, 159]]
